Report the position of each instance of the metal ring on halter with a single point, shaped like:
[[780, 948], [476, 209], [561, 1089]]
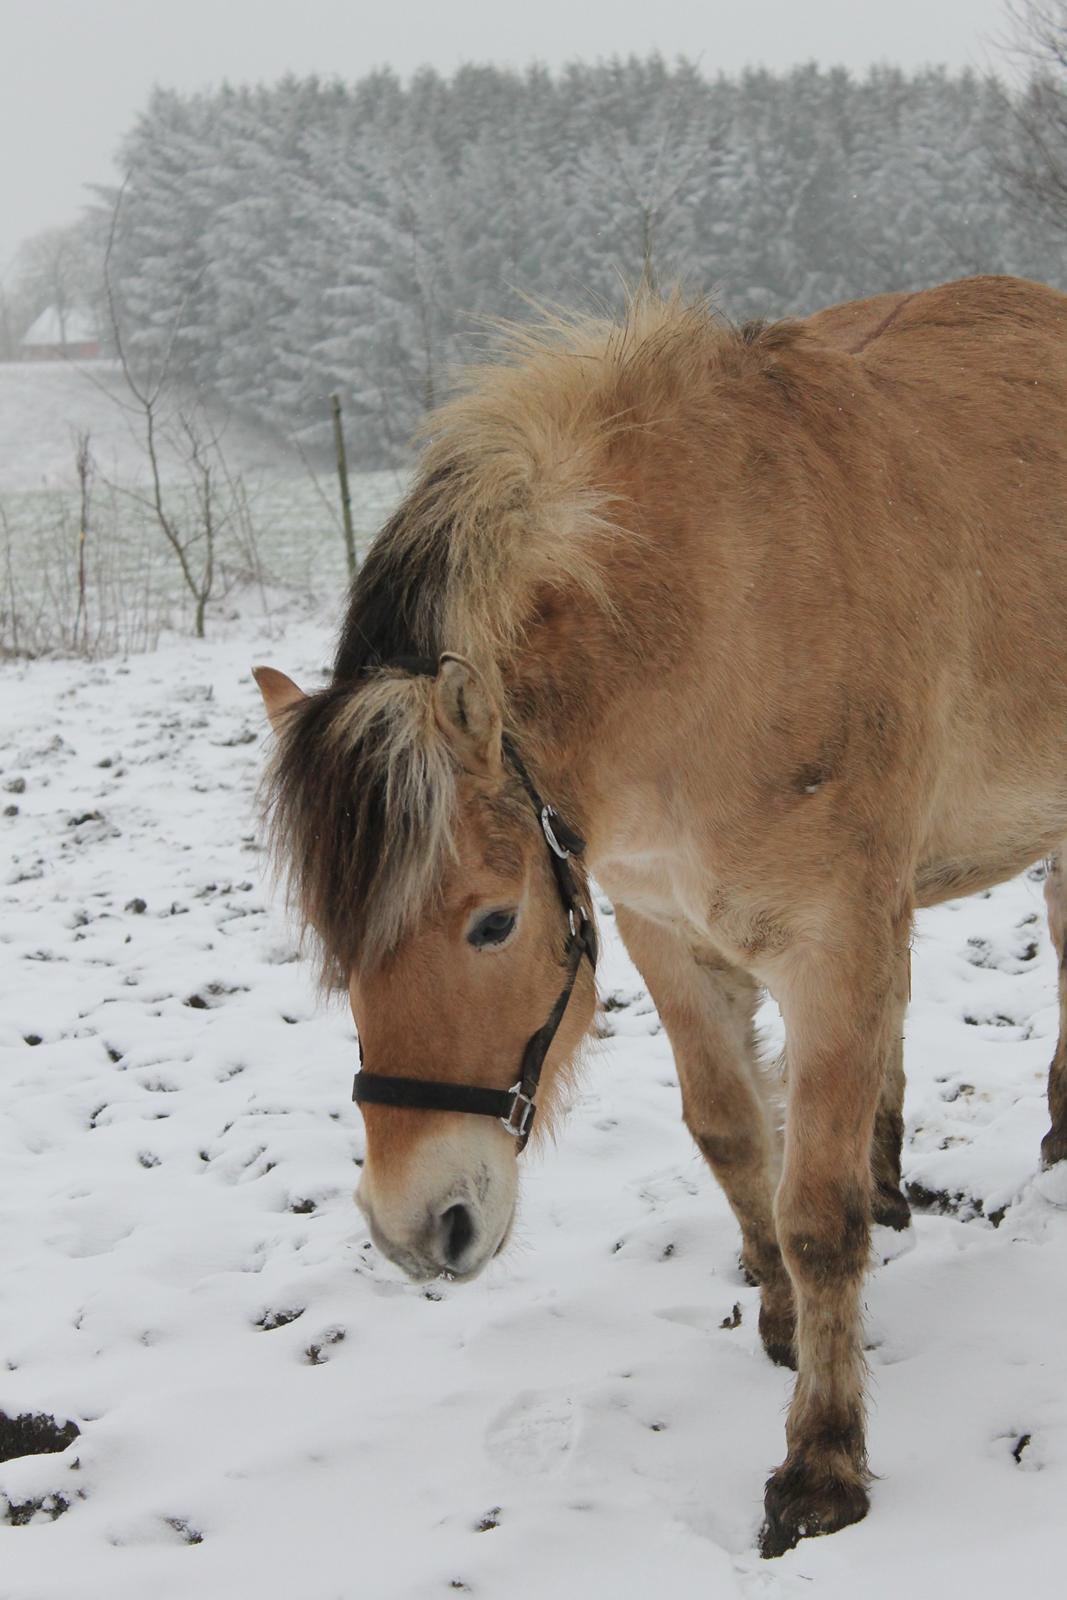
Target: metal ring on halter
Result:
[[547, 813], [520, 1129]]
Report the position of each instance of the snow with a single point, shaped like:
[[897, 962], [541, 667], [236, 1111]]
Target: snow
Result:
[[267, 1409]]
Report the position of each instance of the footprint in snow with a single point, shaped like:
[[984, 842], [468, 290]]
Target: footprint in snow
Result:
[[888, 1244], [534, 1434]]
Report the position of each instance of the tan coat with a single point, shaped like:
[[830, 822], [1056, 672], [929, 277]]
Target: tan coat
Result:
[[777, 617]]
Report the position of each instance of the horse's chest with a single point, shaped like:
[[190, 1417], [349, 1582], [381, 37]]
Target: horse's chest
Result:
[[681, 894], [654, 884]]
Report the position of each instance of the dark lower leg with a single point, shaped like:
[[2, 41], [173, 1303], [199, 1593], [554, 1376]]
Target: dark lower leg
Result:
[[1054, 1144], [743, 1167], [888, 1205], [822, 1484]]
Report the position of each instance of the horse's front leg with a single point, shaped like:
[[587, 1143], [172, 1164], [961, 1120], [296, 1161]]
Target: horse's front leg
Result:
[[842, 1008], [707, 1007]]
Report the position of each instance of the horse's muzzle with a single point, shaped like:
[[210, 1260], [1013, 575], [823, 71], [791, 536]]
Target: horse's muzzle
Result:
[[454, 1237]]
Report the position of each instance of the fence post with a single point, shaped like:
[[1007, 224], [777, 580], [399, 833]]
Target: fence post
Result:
[[342, 477]]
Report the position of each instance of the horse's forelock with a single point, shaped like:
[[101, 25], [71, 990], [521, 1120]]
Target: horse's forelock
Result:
[[362, 802]]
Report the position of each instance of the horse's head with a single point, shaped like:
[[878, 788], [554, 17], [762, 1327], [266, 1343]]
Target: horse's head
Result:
[[417, 852]]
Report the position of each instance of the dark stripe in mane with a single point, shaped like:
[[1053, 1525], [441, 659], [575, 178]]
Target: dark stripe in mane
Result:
[[362, 788], [396, 598]]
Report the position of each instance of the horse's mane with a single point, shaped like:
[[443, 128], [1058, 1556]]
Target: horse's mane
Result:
[[511, 495]]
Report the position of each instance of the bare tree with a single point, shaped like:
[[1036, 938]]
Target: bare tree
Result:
[[645, 179], [192, 539], [651, 177], [1038, 43]]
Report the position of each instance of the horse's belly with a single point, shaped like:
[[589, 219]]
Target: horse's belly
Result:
[[984, 844]]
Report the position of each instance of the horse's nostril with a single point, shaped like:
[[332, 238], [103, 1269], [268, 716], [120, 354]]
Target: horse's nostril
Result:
[[458, 1232]]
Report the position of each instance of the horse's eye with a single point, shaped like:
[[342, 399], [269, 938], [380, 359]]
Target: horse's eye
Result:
[[491, 929]]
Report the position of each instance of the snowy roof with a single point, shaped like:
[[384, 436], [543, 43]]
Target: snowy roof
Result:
[[76, 328]]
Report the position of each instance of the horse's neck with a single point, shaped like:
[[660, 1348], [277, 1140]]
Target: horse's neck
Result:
[[588, 729]]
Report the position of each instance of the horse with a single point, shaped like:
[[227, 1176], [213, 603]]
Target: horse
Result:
[[764, 626]]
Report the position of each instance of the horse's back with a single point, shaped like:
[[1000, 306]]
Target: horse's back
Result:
[[852, 324], [1011, 311], [969, 383]]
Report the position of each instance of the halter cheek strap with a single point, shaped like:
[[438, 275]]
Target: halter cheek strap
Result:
[[514, 1107]]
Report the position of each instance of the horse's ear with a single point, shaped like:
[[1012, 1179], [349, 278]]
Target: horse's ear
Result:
[[466, 715], [279, 693]]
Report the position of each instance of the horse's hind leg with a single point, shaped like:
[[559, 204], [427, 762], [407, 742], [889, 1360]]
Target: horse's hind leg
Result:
[[707, 1008], [1054, 1144], [888, 1205]]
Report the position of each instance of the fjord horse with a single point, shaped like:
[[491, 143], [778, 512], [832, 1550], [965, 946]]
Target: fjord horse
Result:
[[767, 628]]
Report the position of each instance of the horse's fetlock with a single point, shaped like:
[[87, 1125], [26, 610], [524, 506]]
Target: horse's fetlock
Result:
[[1054, 1147], [889, 1127], [886, 1148], [778, 1325], [889, 1208], [832, 1442]]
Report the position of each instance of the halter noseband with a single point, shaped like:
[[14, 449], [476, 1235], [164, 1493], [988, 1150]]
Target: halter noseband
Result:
[[513, 1107]]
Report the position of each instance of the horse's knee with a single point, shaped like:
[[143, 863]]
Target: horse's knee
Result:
[[826, 1245], [733, 1151]]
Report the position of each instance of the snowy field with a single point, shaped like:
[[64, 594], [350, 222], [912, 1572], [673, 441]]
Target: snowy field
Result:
[[266, 1409]]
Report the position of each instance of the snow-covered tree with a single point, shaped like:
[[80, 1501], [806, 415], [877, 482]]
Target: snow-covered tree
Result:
[[280, 244]]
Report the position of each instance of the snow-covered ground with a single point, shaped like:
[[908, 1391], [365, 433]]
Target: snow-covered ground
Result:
[[266, 1409]]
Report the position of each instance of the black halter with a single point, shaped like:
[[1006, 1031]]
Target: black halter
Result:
[[513, 1107]]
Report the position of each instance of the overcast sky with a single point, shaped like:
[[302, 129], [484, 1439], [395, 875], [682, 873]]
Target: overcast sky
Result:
[[73, 73]]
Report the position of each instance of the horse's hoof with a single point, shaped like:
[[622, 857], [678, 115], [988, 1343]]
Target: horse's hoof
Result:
[[802, 1503]]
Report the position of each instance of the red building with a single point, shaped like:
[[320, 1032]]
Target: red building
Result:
[[60, 336]]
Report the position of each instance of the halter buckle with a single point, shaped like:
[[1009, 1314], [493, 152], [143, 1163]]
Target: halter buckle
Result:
[[522, 1104], [547, 813]]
